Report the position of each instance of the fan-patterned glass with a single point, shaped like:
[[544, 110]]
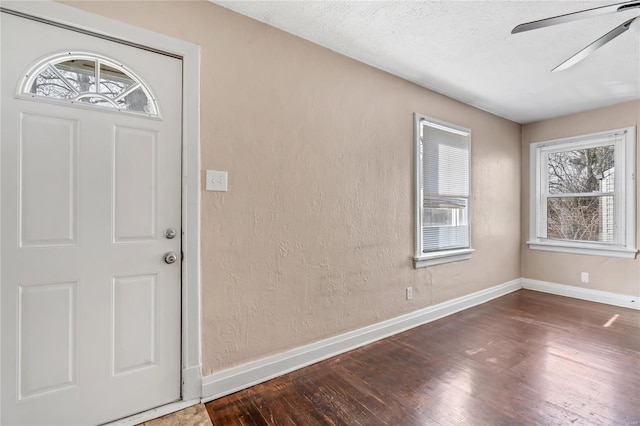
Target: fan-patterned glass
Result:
[[90, 80]]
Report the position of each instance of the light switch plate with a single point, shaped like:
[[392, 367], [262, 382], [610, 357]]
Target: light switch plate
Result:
[[216, 180]]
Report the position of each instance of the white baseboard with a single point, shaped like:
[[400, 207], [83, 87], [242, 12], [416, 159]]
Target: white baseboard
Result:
[[241, 377], [599, 296], [237, 378]]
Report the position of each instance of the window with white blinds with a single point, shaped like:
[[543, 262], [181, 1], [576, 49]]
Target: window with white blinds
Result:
[[443, 192]]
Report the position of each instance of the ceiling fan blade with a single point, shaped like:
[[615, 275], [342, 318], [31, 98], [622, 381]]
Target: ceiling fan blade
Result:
[[594, 46], [597, 11]]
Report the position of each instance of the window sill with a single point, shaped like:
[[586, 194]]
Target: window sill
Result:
[[565, 247], [442, 257]]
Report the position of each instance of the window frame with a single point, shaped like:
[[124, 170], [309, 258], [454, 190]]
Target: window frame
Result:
[[421, 259], [624, 244]]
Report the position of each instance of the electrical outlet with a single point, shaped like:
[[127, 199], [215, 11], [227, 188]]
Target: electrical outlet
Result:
[[584, 277], [409, 293]]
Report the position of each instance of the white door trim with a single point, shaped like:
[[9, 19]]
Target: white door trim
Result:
[[190, 54]]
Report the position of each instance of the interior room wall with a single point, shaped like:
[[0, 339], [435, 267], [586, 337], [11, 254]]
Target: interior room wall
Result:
[[614, 275], [315, 234]]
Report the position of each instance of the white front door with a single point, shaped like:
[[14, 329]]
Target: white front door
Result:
[[90, 310]]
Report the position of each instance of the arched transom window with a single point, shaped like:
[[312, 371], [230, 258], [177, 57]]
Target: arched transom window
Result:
[[89, 80]]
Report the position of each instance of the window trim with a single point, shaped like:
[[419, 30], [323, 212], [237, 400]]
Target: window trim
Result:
[[624, 249], [421, 259]]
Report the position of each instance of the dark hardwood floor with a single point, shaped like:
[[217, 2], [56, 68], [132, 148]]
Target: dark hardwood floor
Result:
[[527, 358]]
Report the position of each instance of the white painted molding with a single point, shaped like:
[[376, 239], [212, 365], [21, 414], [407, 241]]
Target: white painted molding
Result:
[[562, 247], [191, 383], [442, 257], [599, 296], [241, 377]]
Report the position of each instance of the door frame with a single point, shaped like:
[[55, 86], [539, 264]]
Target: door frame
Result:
[[80, 20]]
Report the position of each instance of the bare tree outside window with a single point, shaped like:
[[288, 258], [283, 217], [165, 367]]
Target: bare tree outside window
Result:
[[580, 194], [583, 194]]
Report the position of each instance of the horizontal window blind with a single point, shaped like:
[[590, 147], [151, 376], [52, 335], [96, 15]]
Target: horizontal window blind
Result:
[[445, 187]]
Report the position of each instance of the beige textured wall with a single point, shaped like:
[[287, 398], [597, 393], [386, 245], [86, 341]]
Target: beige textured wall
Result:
[[315, 236], [607, 274]]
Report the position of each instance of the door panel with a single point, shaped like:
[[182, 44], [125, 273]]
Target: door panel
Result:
[[46, 349], [135, 185], [135, 311], [90, 312], [48, 188]]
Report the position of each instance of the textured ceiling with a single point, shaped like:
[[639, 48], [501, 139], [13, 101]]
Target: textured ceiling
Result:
[[464, 49]]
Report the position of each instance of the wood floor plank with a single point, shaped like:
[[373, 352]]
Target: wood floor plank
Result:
[[522, 359]]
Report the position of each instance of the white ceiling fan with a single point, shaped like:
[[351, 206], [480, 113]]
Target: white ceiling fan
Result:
[[633, 24]]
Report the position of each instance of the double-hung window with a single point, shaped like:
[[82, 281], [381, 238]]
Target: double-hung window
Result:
[[583, 194], [443, 192]]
